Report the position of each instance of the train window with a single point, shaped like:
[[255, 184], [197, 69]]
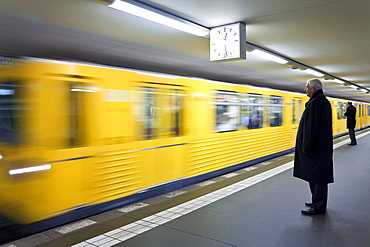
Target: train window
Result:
[[158, 112], [276, 111], [296, 111], [77, 115], [362, 111], [227, 111], [145, 112], [358, 110], [177, 106], [170, 113], [339, 110], [368, 110], [251, 111], [10, 113], [244, 114]]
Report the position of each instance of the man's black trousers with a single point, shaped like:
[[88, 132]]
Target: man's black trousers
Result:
[[319, 194]]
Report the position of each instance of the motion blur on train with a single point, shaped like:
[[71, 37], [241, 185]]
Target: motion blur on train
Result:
[[78, 139]]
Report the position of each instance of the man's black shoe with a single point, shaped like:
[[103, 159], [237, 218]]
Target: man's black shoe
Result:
[[352, 144], [308, 204], [312, 211]]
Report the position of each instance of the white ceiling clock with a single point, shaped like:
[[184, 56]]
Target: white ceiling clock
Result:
[[228, 42]]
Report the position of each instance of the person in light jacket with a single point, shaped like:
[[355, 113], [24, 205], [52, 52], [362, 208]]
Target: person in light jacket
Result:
[[314, 148]]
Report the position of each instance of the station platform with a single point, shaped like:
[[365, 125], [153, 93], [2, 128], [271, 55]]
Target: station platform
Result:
[[252, 207]]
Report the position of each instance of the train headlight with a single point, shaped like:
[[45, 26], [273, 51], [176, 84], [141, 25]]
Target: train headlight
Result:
[[30, 169]]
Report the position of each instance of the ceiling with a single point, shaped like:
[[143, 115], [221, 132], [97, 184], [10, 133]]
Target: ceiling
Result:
[[329, 35]]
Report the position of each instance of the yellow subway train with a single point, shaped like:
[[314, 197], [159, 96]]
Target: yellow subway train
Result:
[[78, 139]]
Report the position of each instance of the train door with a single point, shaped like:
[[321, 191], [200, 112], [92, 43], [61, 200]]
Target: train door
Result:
[[159, 116], [362, 115], [71, 111], [339, 119], [296, 111], [358, 116], [58, 119], [366, 112]]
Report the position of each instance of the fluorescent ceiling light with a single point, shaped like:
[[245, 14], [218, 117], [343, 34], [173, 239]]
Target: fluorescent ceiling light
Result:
[[364, 90], [354, 86], [269, 56], [339, 81], [313, 72], [30, 169], [155, 15]]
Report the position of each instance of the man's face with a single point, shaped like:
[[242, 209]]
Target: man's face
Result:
[[309, 90]]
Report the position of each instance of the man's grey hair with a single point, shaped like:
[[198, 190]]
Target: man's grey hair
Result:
[[315, 83]]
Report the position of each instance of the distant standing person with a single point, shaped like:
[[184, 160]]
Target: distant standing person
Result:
[[351, 122], [314, 148]]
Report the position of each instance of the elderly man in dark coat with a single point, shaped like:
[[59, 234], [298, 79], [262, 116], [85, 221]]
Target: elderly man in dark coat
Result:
[[351, 122], [314, 147]]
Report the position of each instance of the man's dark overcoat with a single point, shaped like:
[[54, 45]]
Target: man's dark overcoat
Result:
[[314, 144], [351, 117]]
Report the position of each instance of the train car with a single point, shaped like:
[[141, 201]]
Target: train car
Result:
[[78, 139], [340, 121]]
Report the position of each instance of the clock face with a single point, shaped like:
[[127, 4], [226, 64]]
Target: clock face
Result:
[[227, 42]]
